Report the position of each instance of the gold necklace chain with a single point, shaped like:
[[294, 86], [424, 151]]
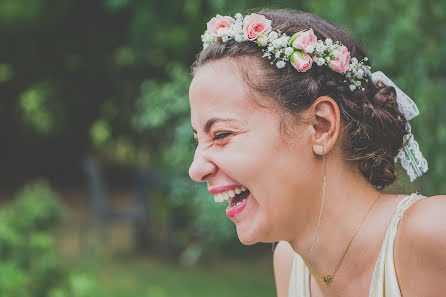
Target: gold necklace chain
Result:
[[328, 278]]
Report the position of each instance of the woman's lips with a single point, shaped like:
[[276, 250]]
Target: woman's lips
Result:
[[234, 210], [223, 188]]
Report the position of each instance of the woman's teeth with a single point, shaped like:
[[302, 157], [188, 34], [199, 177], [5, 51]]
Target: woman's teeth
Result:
[[222, 196]]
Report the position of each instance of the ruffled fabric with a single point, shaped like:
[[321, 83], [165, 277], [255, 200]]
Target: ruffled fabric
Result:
[[411, 157]]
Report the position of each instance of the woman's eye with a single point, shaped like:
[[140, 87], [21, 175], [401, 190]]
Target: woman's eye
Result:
[[194, 143], [221, 135]]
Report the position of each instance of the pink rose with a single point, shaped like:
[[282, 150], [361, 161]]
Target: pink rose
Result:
[[303, 40], [218, 22], [254, 25], [341, 61], [301, 61], [262, 40]]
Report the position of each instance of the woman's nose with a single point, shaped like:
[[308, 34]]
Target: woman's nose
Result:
[[201, 168]]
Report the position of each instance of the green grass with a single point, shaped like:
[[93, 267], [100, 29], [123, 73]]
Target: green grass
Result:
[[148, 278]]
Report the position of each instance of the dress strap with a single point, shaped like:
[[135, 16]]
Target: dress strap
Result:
[[297, 285], [403, 205], [384, 279]]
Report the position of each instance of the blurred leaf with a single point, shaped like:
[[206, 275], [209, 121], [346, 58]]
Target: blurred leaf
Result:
[[100, 132], [6, 72]]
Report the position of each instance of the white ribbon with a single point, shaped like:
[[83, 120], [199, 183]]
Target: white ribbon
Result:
[[410, 155]]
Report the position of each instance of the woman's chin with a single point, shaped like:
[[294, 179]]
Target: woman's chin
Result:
[[246, 240], [249, 234], [252, 226]]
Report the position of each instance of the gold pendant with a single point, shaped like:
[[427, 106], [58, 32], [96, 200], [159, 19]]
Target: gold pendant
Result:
[[327, 279]]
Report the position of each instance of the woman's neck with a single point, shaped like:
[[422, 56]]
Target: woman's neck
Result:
[[347, 200]]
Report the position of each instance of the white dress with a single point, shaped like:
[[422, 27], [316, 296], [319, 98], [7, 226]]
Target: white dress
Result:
[[384, 280]]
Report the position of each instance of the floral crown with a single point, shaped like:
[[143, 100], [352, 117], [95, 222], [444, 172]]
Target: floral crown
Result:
[[301, 49]]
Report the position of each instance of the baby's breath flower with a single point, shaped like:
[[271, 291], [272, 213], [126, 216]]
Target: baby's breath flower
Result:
[[238, 37], [272, 35], [289, 51], [280, 64], [283, 41], [320, 48], [275, 43], [319, 61], [310, 49]]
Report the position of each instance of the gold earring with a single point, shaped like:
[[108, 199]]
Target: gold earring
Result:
[[323, 199]]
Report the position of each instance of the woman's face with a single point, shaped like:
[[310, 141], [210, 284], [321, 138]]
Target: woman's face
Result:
[[240, 145]]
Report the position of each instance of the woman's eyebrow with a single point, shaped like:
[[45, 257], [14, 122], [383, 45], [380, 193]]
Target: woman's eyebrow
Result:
[[211, 122]]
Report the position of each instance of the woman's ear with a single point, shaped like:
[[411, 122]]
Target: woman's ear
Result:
[[326, 124]]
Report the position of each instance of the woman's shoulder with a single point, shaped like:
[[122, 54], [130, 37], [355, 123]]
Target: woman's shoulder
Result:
[[283, 261], [420, 248], [424, 223], [424, 216]]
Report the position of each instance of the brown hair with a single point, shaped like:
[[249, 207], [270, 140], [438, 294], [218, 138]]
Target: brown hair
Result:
[[373, 124]]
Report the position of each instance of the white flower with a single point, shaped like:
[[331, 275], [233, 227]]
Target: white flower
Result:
[[319, 61], [238, 37], [222, 32], [277, 55], [237, 28], [283, 41], [266, 55], [207, 38], [280, 42], [352, 87], [289, 51], [310, 49], [327, 59], [320, 48], [328, 42], [280, 64], [367, 70], [360, 73], [273, 35], [238, 15], [270, 48]]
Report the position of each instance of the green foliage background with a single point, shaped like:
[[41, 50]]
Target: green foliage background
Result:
[[30, 265], [110, 78]]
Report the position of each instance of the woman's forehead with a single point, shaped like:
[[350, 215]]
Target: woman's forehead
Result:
[[217, 89]]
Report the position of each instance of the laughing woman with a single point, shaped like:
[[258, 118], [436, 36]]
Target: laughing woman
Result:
[[299, 136]]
